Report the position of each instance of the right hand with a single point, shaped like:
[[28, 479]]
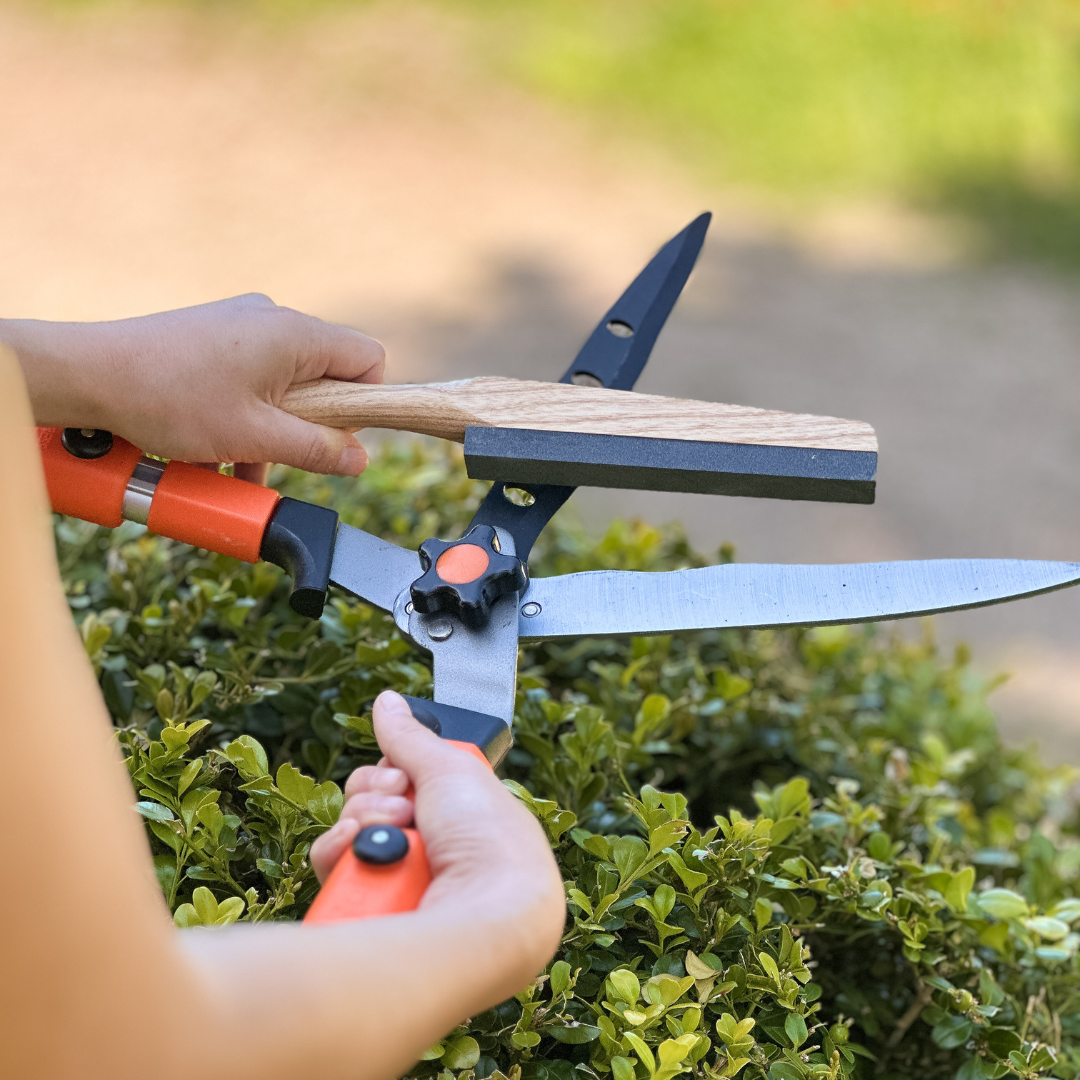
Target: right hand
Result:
[[487, 852]]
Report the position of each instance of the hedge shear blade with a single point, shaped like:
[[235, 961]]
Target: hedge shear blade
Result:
[[744, 596], [469, 601], [613, 356]]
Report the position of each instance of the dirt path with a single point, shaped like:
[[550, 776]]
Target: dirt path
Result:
[[359, 168]]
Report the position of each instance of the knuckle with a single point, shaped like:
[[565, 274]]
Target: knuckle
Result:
[[314, 454]]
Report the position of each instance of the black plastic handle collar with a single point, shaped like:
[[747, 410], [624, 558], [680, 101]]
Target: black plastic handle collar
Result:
[[300, 539]]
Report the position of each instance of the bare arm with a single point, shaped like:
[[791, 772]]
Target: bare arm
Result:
[[201, 383], [84, 963]]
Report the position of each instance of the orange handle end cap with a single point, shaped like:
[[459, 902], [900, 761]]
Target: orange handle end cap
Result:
[[359, 890], [88, 488]]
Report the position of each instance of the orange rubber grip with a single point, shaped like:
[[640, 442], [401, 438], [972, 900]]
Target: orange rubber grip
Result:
[[91, 489], [210, 510], [359, 890]]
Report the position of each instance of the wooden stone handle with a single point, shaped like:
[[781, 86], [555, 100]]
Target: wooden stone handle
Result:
[[447, 409]]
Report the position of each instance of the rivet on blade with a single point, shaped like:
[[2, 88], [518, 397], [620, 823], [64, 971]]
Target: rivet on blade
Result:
[[440, 630]]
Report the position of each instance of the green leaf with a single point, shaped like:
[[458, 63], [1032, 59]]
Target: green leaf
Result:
[[1067, 910], [574, 1033], [622, 1068], [1048, 928], [663, 901], [795, 1027], [1002, 1041], [625, 985], [560, 977], [956, 894], [248, 756], [155, 811], [189, 775], [953, 1032], [692, 879], [880, 846], [784, 1070], [762, 913], [294, 785], [206, 905], [628, 853], [638, 1045], [462, 1052], [1003, 904]]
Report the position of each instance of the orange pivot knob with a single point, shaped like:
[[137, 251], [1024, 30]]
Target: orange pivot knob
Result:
[[466, 562]]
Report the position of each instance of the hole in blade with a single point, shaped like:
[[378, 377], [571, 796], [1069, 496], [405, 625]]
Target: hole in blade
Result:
[[620, 328], [585, 378], [518, 496]]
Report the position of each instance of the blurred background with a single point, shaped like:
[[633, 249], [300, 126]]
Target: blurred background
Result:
[[896, 186]]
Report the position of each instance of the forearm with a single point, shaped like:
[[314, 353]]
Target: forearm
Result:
[[375, 994], [68, 368]]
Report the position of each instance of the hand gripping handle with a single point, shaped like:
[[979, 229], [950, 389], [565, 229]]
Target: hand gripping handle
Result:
[[384, 872]]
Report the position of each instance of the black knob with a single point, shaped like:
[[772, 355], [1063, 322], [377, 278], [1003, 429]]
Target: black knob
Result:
[[86, 443], [380, 845], [466, 577]]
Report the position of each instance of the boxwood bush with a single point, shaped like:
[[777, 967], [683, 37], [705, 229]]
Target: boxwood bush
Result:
[[790, 855]]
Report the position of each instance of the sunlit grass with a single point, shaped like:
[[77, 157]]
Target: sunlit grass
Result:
[[968, 105]]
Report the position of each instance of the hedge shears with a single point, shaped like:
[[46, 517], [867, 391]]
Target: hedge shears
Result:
[[468, 602]]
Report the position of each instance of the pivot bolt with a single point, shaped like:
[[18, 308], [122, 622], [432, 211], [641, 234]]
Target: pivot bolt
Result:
[[465, 578]]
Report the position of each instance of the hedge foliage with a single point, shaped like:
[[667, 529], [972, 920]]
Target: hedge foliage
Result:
[[787, 855]]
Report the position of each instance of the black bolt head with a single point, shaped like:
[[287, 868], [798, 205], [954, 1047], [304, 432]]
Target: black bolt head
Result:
[[380, 845]]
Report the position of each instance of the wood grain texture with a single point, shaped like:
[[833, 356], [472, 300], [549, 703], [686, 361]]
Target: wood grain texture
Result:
[[447, 409]]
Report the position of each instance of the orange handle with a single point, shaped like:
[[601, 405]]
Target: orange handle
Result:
[[360, 890], [196, 506], [91, 489], [211, 510]]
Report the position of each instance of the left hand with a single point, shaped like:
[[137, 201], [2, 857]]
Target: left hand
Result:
[[201, 384]]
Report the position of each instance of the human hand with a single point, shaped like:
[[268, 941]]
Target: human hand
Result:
[[201, 384], [486, 851]]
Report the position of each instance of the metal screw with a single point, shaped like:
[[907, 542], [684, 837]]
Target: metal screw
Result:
[[440, 630], [620, 328], [409, 608], [585, 378], [531, 609]]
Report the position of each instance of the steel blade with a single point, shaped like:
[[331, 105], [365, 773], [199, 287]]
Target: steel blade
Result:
[[748, 595], [608, 358], [619, 347], [372, 569]]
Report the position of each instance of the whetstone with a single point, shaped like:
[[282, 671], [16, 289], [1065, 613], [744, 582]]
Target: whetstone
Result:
[[555, 433]]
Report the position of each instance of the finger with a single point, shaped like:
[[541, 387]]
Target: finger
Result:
[[358, 813], [381, 780], [413, 747], [289, 440], [370, 808], [254, 472], [330, 351], [329, 847]]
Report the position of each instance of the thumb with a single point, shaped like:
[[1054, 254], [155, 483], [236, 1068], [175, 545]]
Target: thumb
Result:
[[289, 440], [412, 747]]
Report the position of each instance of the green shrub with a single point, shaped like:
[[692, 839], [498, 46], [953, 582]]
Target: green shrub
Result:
[[787, 855]]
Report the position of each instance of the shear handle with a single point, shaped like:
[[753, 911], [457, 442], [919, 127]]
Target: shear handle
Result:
[[384, 872], [106, 480]]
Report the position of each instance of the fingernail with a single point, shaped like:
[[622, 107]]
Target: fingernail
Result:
[[352, 461], [391, 699]]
